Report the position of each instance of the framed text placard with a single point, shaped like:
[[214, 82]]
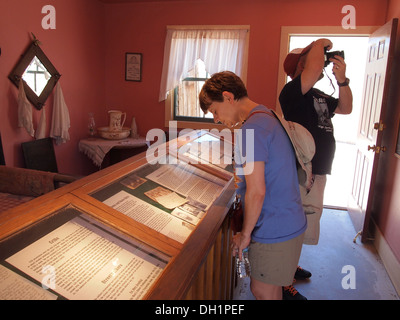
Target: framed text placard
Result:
[[78, 258], [133, 66]]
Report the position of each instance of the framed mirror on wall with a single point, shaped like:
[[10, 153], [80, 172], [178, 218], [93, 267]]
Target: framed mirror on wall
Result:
[[38, 74]]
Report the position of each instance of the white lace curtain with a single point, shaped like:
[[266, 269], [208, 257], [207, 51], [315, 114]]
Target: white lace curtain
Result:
[[220, 49]]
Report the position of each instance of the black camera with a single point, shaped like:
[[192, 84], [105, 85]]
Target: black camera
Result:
[[332, 54]]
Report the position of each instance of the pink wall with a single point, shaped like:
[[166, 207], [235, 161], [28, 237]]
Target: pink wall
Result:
[[76, 48], [91, 38], [141, 27]]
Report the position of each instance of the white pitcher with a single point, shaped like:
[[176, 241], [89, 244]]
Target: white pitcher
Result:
[[117, 120]]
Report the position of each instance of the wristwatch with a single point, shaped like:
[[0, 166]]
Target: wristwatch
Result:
[[344, 84]]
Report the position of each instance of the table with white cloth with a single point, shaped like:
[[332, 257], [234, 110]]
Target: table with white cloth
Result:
[[97, 149]]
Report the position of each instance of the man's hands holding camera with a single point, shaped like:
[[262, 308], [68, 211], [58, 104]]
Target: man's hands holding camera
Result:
[[339, 68]]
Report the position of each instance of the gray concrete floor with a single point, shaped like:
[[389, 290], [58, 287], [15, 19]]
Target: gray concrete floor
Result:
[[327, 262]]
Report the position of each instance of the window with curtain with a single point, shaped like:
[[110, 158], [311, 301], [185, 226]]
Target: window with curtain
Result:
[[192, 55]]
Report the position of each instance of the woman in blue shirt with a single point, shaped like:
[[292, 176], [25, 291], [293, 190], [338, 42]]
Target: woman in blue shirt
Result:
[[274, 220]]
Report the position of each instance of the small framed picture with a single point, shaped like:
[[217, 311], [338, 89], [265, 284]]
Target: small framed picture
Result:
[[133, 66]]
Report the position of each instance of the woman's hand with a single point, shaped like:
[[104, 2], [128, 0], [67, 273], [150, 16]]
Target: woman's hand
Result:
[[240, 241]]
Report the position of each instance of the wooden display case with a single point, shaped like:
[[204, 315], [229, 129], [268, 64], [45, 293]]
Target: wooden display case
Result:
[[135, 230]]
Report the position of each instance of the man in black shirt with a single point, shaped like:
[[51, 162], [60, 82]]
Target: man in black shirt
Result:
[[313, 109]]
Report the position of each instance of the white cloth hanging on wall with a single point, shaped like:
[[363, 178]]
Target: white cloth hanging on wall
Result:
[[41, 129], [60, 122], [24, 110]]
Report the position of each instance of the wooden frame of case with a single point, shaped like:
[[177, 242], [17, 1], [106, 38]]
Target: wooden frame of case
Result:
[[199, 268]]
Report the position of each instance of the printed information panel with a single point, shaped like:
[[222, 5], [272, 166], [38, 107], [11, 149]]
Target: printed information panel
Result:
[[82, 259], [169, 198]]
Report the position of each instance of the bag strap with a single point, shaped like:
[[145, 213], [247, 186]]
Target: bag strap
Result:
[[266, 112]]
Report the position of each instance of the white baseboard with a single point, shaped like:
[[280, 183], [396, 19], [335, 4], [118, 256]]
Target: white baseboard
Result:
[[389, 260]]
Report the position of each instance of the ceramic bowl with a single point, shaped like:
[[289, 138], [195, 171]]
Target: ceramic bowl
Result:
[[105, 133]]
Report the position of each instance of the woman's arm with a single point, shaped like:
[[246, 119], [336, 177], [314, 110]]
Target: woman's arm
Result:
[[254, 198]]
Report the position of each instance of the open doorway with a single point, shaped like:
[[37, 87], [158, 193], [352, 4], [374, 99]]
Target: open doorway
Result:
[[339, 183]]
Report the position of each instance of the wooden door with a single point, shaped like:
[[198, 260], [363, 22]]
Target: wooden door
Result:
[[371, 128]]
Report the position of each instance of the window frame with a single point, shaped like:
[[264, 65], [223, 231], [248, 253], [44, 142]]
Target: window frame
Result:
[[187, 118], [170, 100]]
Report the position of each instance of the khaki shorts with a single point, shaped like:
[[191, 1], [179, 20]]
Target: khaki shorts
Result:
[[275, 263], [313, 206]]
